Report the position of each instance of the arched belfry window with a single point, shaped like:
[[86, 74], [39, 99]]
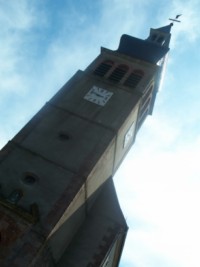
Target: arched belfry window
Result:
[[157, 38], [134, 78], [153, 37], [118, 73], [103, 68], [161, 40]]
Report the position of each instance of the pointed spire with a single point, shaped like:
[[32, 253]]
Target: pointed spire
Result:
[[165, 29]]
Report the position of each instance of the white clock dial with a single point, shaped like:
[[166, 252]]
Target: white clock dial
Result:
[[98, 95], [129, 135]]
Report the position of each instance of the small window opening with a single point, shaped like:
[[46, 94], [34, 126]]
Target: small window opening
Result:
[[64, 136], [103, 68], [118, 73], [29, 179], [15, 196]]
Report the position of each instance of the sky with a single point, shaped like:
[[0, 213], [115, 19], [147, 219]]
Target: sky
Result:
[[43, 43]]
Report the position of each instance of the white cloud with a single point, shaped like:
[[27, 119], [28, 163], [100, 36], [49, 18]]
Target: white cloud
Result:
[[158, 188], [16, 15], [16, 19]]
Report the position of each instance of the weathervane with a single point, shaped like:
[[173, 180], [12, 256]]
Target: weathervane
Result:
[[176, 18]]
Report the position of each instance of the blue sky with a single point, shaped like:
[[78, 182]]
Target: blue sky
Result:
[[43, 43]]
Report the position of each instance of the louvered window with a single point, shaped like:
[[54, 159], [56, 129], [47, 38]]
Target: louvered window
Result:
[[118, 73], [134, 78], [103, 68]]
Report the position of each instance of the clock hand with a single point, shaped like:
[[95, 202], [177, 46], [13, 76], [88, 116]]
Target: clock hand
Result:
[[98, 94]]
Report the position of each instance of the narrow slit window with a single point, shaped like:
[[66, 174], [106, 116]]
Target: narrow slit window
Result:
[[118, 73], [63, 136], [147, 95], [103, 68], [134, 78], [142, 118], [145, 106]]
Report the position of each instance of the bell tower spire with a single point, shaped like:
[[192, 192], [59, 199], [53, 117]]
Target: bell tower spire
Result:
[[161, 36], [58, 205]]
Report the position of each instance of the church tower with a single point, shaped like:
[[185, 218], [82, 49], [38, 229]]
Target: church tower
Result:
[[58, 205]]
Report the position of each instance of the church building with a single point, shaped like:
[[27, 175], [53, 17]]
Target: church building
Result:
[[58, 205]]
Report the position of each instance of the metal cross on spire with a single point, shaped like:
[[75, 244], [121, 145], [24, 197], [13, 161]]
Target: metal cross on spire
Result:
[[176, 18]]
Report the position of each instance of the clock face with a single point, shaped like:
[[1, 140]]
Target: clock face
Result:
[[129, 135], [98, 95]]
